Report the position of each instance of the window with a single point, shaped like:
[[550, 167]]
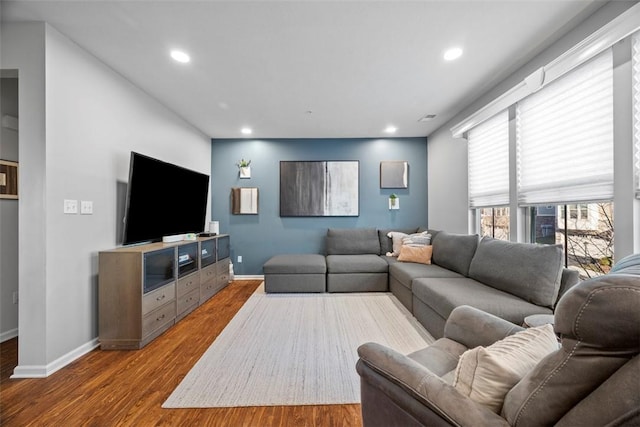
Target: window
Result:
[[494, 222], [564, 138], [489, 162], [489, 175], [585, 231]]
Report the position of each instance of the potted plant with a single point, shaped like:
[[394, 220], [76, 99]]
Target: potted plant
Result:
[[245, 168], [392, 200]]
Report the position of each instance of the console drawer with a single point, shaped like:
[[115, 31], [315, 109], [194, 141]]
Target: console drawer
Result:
[[157, 318], [188, 301], [188, 284], [208, 273], [159, 297], [208, 289]]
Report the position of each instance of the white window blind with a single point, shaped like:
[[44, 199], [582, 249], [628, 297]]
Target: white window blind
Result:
[[636, 110], [564, 138], [488, 145]]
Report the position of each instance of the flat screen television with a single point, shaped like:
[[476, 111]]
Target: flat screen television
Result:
[[163, 199]]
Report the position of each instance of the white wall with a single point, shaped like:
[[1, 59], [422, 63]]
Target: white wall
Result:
[[23, 49], [94, 119], [447, 156]]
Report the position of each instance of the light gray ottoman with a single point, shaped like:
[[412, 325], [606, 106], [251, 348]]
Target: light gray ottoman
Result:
[[295, 273]]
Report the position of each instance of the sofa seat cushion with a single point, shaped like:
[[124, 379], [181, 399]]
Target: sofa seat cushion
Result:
[[296, 264], [405, 272], [529, 271], [340, 264], [454, 251], [352, 241], [443, 295]]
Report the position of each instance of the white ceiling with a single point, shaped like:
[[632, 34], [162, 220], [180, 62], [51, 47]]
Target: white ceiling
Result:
[[358, 66]]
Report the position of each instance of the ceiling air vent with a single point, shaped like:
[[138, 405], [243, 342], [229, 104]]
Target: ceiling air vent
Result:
[[427, 118]]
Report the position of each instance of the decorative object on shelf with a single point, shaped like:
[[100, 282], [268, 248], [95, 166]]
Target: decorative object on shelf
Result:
[[245, 168], [244, 201], [319, 188], [394, 202], [8, 179], [394, 174]]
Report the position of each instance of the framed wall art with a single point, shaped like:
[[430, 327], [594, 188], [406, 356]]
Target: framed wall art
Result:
[[394, 174], [319, 188], [244, 201]]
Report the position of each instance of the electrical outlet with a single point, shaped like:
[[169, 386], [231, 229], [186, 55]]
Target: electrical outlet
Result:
[[70, 206], [239, 259], [86, 207], [15, 297]]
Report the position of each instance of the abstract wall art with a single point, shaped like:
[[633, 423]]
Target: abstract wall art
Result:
[[319, 188], [394, 174]]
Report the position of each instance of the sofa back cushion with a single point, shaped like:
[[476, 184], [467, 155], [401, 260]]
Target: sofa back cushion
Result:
[[454, 251], [352, 241], [527, 270]]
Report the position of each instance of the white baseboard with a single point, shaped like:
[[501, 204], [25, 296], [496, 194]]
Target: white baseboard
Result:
[[249, 277], [42, 371], [6, 336]]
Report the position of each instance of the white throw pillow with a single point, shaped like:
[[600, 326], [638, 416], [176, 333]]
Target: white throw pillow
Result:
[[486, 374], [396, 236]]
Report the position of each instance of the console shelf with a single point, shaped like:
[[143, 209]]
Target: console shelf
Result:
[[146, 289]]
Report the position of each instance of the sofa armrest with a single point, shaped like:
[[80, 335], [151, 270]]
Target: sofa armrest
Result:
[[419, 385], [472, 327], [569, 279]]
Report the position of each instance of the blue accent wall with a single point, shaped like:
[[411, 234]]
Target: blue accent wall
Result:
[[258, 237]]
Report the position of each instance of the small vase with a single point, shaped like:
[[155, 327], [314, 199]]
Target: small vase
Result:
[[245, 172]]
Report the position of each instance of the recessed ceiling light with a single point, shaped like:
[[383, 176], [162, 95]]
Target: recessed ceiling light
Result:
[[180, 56], [453, 53], [391, 129], [246, 131]]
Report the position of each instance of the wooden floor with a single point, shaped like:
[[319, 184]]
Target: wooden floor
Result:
[[127, 388]]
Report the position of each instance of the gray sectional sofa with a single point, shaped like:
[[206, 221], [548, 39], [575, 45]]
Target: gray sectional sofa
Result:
[[509, 280]]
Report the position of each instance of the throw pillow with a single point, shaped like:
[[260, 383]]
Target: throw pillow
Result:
[[396, 236], [486, 374], [417, 239], [419, 254]]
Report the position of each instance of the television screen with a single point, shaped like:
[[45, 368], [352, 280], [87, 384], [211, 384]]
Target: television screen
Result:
[[163, 199]]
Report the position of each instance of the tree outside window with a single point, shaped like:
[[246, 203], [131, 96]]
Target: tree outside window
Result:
[[585, 231], [494, 222]]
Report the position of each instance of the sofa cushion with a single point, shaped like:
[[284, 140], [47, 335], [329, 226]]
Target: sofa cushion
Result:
[[486, 374], [419, 254], [340, 264], [352, 241], [295, 264], [530, 271], [454, 251], [405, 272], [444, 294], [386, 243]]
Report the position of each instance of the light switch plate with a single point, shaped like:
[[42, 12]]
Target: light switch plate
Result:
[[70, 206], [86, 207]]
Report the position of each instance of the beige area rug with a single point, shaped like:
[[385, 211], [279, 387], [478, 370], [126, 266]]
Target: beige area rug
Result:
[[296, 349]]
